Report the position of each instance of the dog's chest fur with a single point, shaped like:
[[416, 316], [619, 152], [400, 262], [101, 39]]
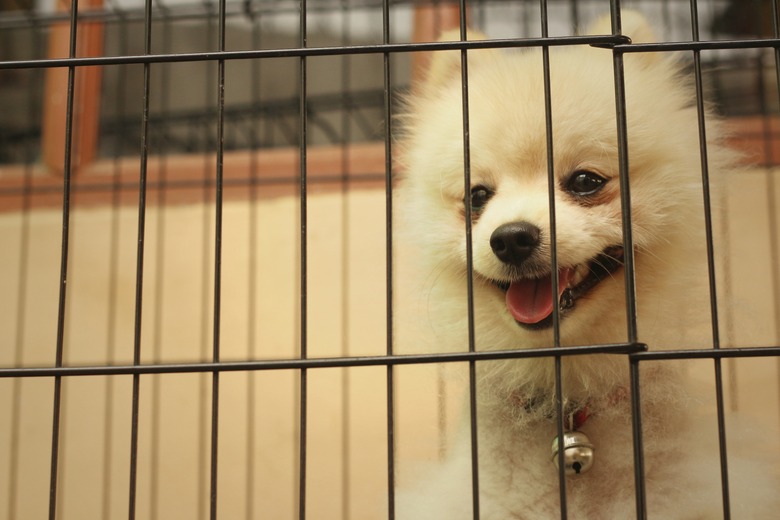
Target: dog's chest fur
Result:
[[519, 481]]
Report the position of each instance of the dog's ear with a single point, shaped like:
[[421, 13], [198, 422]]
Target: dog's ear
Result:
[[445, 65], [633, 24]]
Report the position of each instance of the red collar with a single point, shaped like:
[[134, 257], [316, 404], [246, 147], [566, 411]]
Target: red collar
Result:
[[576, 414], [579, 417]]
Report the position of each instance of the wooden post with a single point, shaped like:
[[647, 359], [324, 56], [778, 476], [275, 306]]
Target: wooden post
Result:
[[86, 102], [430, 21]]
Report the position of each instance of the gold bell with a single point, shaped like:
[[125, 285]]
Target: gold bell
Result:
[[577, 452]]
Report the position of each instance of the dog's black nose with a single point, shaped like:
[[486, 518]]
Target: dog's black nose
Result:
[[514, 242]]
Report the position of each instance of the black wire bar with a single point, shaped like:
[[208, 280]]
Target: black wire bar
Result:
[[335, 50], [628, 264], [204, 452], [556, 313], [303, 423], [64, 255], [142, 192], [473, 423], [636, 352], [139, 284], [619, 43], [214, 474], [389, 262], [702, 125]]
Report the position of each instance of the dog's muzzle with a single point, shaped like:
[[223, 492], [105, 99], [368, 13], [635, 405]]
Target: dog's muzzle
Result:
[[530, 299]]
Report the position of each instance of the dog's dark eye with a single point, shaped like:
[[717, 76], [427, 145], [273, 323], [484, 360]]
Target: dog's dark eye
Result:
[[480, 195], [584, 183]]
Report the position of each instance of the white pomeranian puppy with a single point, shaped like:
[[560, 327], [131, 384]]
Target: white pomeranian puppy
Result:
[[512, 287]]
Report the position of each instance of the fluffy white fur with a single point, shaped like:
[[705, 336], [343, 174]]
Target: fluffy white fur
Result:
[[509, 153]]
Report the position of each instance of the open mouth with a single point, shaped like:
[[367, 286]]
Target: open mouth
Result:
[[530, 300]]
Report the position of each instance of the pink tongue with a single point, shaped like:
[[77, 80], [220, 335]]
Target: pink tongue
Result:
[[531, 301]]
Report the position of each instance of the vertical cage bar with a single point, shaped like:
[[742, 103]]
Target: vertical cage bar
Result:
[[628, 262], [214, 474], [389, 263], [625, 191], [206, 310], [550, 156], [724, 474], [636, 425], [474, 426], [636, 412], [559, 397], [303, 266], [60, 341], [134, 420]]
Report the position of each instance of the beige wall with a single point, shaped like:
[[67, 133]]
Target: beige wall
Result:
[[346, 317], [347, 444]]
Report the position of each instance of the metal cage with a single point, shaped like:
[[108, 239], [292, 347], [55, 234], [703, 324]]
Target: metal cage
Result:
[[199, 259]]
